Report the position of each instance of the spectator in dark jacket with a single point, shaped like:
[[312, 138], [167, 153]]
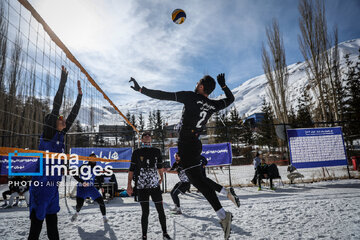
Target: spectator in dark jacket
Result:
[[265, 171], [256, 162]]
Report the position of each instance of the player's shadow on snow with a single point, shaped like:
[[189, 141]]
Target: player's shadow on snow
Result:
[[234, 228], [99, 234], [339, 185]]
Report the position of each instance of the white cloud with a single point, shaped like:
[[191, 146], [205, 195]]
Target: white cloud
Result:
[[119, 39]]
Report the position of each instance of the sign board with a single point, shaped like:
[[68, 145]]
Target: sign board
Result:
[[108, 153], [316, 147], [216, 154]]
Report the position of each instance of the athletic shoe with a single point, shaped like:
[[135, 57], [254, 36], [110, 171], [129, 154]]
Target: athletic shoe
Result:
[[226, 225], [233, 197], [259, 189], [166, 237], [105, 219], [273, 188], [74, 217], [177, 212]]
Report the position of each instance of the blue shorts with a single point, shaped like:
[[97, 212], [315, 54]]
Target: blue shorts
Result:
[[85, 192], [44, 200]]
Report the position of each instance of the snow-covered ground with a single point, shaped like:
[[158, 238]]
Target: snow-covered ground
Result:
[[326, 210], [242, 175]]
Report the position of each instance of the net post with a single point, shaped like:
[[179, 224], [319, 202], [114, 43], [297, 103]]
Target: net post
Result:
[[230, 175]]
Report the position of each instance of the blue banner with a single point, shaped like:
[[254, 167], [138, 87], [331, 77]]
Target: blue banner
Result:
[[20, 165], [316, 147], [216, 154], [107, 153]]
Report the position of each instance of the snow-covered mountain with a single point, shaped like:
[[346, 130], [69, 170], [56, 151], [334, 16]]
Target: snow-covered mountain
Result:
[[248, 96]]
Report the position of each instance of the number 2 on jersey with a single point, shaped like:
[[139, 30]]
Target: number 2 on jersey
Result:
[[202, 116]]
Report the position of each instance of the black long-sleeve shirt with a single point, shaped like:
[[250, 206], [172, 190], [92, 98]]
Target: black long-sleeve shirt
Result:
[[197, 108], [144, 163], [49, 129]]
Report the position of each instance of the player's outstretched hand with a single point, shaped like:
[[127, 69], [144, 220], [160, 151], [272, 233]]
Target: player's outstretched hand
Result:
[[79, 87], [64, 73], [136, 86], [221, 80]]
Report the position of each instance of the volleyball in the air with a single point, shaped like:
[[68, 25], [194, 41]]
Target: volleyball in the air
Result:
[[178, 16]]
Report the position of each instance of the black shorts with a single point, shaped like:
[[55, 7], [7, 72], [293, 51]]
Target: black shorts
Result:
[[144, 195], [189, 151], [182, 187]]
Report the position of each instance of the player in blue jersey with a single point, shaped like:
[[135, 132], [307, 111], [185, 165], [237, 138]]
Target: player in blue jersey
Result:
[[44, 194], [86, 188]]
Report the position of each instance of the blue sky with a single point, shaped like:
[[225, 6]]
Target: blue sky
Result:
[[115, 40]]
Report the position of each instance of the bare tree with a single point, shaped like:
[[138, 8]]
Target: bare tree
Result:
[[3, 55], [334, 76], [338, 91], [313, 45], [3, 45], [276, 72], [13, 84]]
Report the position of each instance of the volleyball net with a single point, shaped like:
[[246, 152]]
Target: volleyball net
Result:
[[31, 57]]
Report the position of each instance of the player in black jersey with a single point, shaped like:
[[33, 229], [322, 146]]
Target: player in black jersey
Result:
[[146, 166], [181, 187], [203, 162], [197, 110]]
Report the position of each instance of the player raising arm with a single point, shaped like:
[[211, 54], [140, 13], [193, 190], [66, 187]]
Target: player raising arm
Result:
[[198, 109]]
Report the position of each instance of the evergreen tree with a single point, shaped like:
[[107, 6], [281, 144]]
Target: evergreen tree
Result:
[[158, 126], [80, 139], [352, 102], [129, 130], [158, 120], [292, 116], [234, 126], [266, 135], [133, 120], [303, 118], [141, 122], [150, 121], [247, 136], [221, 129]]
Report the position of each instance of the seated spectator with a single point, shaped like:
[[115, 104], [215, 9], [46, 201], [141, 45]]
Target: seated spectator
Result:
[[13, 188], [265, 171], [21, 191]]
